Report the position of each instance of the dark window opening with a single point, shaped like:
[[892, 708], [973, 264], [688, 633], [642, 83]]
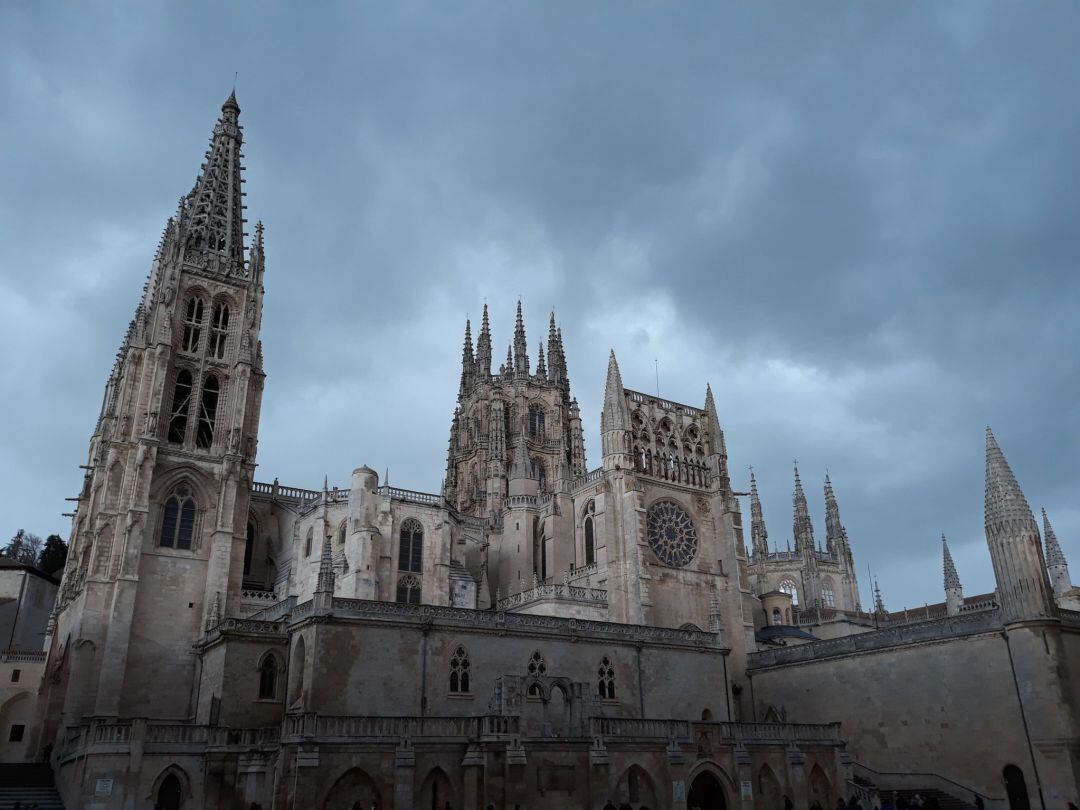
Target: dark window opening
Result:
[[180, 407]]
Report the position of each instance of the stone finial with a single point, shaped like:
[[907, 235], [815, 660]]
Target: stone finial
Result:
[[541, 364], [521, 348], [835, 535], [952, 579], [483, 346], [1054, 554], [803, 528], [759, 535], [325, 582]]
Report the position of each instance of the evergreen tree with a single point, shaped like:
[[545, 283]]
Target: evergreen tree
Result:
[[53, 555], [24, 547]]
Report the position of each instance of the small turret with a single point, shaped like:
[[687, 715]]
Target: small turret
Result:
[[1023, 587], [1056, 564], [954, 592], [615, 421]]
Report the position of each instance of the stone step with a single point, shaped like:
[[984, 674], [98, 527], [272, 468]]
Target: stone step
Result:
[[44, 798]]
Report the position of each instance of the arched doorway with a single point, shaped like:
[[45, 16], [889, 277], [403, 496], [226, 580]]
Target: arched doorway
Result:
[[820, 788], [705, 793], [170, 794], [768, 788], [636, 788], [436, 791], [353, 788], [1016, 788]]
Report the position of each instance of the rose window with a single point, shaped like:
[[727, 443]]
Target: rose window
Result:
[[671, 534]]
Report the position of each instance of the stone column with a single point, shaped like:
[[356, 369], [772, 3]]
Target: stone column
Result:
[[796, 768], [744, 776], [473, 767], [404, 774]]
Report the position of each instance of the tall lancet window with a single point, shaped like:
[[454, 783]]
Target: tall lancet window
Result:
[[181, 404], [219, 330], [178, 519], [590, 537], [536, 422], [208, 412], [411, 549], [193, 318]]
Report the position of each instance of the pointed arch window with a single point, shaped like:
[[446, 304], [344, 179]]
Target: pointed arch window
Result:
[[341, 532], [181, 404], [536, 422], [249, 547], [193, 319], [408, 590], [211, 391], [219, 330], [537, 669], [268, 672], [178, 519], [411, 547], [459, 672], [788, 586], [307, 541], [590, 538], [828, 595], [539, 472], [605, 683]]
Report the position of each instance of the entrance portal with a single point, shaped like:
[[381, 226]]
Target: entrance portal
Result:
[[706, 793], [1016, 788]]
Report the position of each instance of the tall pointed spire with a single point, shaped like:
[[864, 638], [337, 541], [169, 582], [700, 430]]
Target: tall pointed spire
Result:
[[759, 535], [719, 443], [1023, 587], [954, 592], [834, 529], [615, 420], [553, 360], [521, 348], [213, 221], [467, 362], [541, 366], [483, 347], [1056, 564], [803, 529]]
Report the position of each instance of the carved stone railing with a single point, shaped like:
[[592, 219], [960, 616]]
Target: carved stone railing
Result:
[[258, 597], [966, 624], [588, 478], [685, 731], [23, 656], [250, 627], [367, 727], [120, 735], [667, 405], [1069, 617], [519, 501], [411, 496], [278, 492], [583, 572], [274, 613], [563, 592], [501, 621]]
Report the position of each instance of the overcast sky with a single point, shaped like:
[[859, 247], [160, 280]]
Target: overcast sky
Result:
[[860, 222]]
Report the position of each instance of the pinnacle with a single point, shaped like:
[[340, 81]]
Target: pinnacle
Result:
[[1054, 554], [952, 579], [1004, 498], [230, 103]]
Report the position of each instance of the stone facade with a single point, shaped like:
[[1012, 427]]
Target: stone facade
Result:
[[535, 634]]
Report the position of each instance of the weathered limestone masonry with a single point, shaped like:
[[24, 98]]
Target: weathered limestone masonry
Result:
[[536, 634], [967, 697]]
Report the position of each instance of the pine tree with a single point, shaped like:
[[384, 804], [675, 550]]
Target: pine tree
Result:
[[53, 555]]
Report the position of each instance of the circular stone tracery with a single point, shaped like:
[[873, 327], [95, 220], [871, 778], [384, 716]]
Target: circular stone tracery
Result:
[[671, 534]]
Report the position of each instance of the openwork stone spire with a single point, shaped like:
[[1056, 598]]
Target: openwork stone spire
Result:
[[952, 579], [759, 535], [719, 443], [803, 529], [213, 213], [521, 348], [834, 528], [541, 366], [467, 362], [615, 420], [483, 347], [1055, 559], [1013, 537]]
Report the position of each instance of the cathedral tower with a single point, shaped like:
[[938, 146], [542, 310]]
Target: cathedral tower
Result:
[[1023, 587], [158, 534], [515, 438]]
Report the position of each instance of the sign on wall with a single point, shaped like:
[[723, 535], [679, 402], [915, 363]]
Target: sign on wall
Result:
[[103, 787]]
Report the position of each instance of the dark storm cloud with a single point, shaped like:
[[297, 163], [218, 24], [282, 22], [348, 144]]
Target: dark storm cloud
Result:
[[857, 222]]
